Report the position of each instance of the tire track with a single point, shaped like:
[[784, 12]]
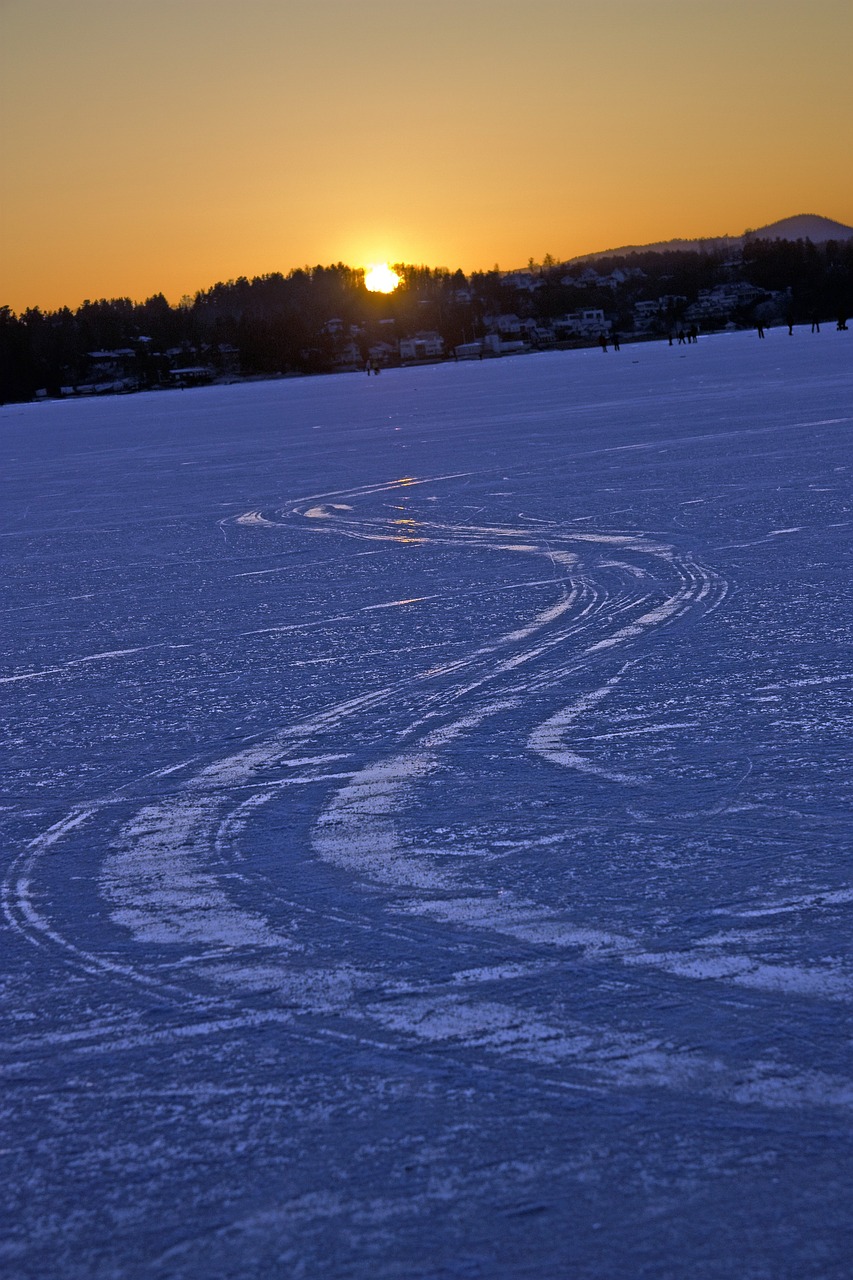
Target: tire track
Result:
[[163, 882]]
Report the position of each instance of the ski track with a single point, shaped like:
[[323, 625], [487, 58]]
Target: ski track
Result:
[[169, 878]]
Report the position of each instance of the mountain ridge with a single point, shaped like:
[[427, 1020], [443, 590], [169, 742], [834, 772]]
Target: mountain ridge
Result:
[[801, 226]]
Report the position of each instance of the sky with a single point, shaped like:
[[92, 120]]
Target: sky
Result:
[[165, 145]]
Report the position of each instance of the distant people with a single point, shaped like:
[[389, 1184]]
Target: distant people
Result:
[[693, 335], [842, 324], [614, 338], [682, 337], [790, 325], [760, 328], [815, 324], [602, 342], [368, 367], [670, 339]]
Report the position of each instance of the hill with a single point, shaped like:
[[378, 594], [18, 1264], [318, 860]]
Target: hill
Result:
[[803, 226]]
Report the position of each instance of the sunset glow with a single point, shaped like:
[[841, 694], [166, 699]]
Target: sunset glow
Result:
[[380, 279], [126, 170]]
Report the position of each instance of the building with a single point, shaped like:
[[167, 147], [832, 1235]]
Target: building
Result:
[[722, 302], [587, 323], [195, 375], [427, 345], [382, 353], [347, 356]]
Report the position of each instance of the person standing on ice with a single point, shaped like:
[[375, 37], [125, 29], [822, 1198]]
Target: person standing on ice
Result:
[[602, 342], [614, 338], [760, 328]]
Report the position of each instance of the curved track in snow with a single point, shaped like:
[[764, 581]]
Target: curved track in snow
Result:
[[206, 924]]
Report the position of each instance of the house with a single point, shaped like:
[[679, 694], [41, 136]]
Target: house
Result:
[[541, 335], [427, 345], [469, 351], [489, 345], [587, 278], [587, 323], [523, 281], [112, 370], [592, 323], [723, 301], [104, 365], [656, 313], [508, 326], [565, 327], [228, 357], [648, 315], [195, 375], [382, 353], [614, 280], [672, 301], [347, 356]]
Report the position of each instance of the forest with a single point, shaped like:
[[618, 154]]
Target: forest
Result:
[[321, 319]]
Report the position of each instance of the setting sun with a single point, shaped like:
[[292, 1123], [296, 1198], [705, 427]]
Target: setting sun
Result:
[[381, 279]]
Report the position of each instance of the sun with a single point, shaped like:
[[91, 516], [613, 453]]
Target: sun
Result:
[[379, 278]]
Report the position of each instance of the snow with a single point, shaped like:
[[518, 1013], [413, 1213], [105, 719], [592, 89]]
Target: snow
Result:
[[426, 832]]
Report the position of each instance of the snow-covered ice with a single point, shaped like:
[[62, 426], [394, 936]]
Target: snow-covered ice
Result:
[[426, 824]]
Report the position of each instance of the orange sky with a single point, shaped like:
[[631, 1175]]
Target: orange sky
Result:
[[166, 144]]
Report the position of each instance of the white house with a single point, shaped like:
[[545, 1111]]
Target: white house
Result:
[[382, 353], [508, 326], [724, 300], [588, 323], [428, 345], [647, 315]]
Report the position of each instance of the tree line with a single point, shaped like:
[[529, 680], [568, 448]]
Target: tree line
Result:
[[298, 323]]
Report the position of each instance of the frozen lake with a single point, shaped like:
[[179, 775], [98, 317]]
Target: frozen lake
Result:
[[426, 824]]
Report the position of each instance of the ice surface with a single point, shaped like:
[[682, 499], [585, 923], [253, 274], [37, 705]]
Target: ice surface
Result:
[[426, 831]]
